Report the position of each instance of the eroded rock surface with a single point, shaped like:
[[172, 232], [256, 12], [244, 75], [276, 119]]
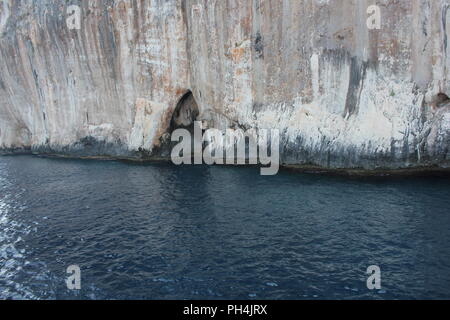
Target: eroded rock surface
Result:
[[341, 94]]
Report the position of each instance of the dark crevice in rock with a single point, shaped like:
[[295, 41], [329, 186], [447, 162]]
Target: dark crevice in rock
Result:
[[258, 46], [357, 75], [442, 100]]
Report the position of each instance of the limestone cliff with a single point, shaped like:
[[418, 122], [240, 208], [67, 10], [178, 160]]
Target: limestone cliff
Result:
[[342, 94]]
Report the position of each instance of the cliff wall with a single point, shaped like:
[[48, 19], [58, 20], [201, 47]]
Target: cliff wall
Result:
[[342, 93]]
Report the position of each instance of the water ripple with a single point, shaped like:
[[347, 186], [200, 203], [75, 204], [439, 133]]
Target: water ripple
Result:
[[164, 232]]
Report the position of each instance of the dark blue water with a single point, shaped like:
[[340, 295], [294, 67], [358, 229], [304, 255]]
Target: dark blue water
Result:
[[165, 232]]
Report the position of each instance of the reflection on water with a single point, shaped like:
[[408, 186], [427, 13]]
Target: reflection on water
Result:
[[164, 232]]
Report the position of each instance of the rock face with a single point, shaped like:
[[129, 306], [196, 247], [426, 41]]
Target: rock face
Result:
[[343, 93]]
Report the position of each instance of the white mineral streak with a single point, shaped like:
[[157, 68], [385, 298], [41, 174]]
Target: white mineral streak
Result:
[[4, 13], [342, 96]]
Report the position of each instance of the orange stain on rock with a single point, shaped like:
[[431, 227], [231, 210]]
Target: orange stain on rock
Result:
[[237, 54]]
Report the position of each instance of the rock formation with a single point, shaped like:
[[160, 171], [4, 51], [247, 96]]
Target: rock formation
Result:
[[343, 92]]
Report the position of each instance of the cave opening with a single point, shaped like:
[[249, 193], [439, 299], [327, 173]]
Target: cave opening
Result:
[[185, 113], [184, 116]]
